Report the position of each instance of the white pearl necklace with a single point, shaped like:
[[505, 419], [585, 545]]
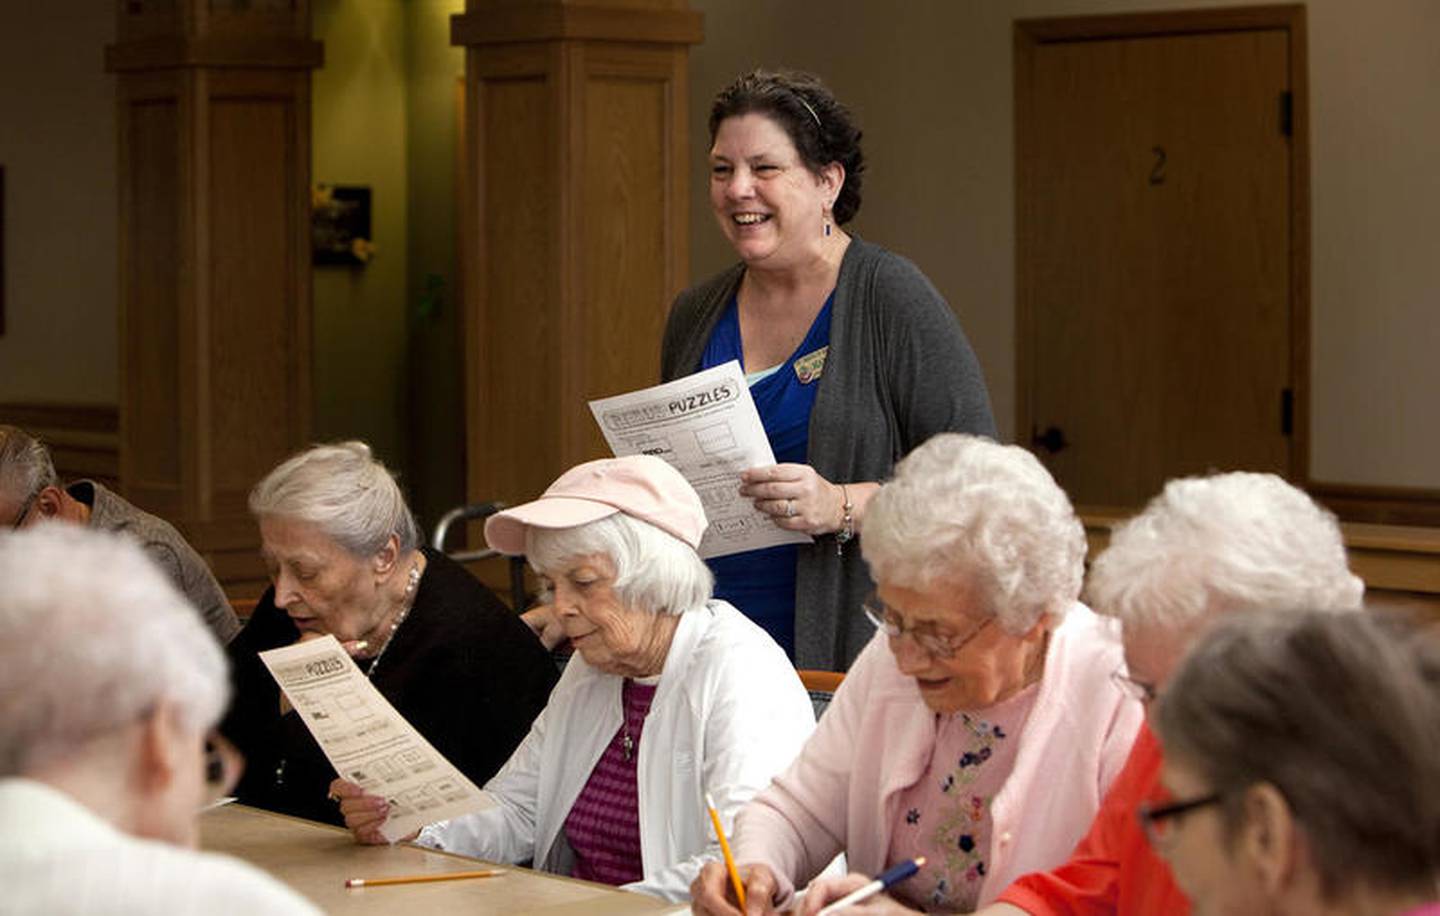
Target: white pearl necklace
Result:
[[407, 601]]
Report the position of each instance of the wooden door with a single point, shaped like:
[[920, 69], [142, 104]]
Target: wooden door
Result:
[[1156, 254]]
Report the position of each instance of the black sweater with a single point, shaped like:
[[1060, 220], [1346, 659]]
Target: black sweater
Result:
[[463, 669]]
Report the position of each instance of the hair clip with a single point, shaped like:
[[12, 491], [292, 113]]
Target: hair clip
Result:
[[808, 108]]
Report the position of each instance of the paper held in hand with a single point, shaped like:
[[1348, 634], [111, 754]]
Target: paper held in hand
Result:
[[707, 427], [367, 741]]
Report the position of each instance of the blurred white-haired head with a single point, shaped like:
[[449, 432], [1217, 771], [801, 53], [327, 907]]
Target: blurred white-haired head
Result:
[[94, 638]]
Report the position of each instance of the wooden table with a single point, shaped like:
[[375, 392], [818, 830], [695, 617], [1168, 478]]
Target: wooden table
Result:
[[315, 859]]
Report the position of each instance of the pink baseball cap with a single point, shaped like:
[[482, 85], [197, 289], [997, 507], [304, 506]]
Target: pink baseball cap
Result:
[[641, 486]]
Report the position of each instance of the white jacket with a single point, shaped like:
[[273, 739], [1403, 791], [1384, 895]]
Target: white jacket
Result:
[[59, 858], [728, 714]]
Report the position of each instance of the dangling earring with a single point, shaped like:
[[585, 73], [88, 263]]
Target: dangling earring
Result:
[[827, 227], [825, 217]]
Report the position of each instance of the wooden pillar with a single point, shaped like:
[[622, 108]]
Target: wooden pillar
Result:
[[574, 221], [214, 177]]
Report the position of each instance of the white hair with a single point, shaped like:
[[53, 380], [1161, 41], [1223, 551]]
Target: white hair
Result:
[[92, 637], [1228, 542], [963, 507], [654, 570], [340, 489], [25, 465]]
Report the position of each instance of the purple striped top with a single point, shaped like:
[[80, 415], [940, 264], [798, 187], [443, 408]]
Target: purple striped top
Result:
[[603, 826]]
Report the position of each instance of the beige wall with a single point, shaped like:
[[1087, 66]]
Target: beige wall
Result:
[[436, 403], [358, 106], [57, 144], [387, 352], [930, 81]]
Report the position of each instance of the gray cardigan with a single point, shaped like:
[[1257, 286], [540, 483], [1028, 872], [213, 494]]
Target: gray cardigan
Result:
[[899, 371]]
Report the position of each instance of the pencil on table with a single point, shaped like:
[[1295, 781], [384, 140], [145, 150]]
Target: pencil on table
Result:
[[417, 879]]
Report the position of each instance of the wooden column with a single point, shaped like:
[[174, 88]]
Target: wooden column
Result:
[[574, 221], [214, 176]]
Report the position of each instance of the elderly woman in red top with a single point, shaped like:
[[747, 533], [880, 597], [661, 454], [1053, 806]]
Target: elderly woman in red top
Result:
[[1302, 768], [1205, 548]]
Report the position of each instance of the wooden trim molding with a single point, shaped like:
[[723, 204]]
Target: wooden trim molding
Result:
[[168, 52], [84, 439], [1379, 505], [84, 442], [504, 23], [1168, 22], [1390, 558], [38, 416]]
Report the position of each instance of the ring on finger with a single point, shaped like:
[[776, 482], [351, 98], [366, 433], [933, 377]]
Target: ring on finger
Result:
[[789, 508]]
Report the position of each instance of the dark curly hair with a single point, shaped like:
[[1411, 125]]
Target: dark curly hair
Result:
[[820, 127]]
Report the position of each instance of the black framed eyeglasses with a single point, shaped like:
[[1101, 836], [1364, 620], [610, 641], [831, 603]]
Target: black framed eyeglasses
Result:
[[1143, 691], [938, 645], [1156, 820], [223, 764], [24, 511]]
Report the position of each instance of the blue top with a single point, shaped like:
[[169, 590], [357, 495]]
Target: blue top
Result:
[[761, 583]]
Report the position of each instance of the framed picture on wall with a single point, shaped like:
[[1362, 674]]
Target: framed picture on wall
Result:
[[340, 225]]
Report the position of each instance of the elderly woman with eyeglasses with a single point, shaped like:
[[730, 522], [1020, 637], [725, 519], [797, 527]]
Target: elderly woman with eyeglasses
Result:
[[980, 728], [1302, 767], [671, 696]]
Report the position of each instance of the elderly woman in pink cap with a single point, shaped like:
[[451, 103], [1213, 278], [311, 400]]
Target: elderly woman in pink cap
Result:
[[671, 695]]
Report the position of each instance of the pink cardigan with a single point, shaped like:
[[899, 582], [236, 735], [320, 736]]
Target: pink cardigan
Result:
[[842, 793]]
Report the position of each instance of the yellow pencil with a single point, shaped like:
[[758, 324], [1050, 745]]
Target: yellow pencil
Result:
[[416, 879], [725, 849]]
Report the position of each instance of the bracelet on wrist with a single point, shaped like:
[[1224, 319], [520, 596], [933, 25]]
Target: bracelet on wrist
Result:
[[846, 534]]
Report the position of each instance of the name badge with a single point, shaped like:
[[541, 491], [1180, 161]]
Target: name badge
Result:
[[811, 366]]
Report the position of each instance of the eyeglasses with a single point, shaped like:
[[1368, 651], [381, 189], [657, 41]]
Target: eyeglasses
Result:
[[24, 511], [1143, 691], [933, 642], [1157, 820], [223, 764]]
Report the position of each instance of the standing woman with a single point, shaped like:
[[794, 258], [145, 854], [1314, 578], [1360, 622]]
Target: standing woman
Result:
[[852, 356]]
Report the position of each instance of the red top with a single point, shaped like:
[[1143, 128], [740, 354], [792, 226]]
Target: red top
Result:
[[1113, 869]]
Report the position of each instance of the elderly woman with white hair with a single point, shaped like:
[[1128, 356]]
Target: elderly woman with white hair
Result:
[[980, 728], [344, 558], [1205, 549], [670, 697], [109, 683]]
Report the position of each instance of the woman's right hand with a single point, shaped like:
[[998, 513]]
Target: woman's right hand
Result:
[[542, 619], [712, 893], [364, 814]]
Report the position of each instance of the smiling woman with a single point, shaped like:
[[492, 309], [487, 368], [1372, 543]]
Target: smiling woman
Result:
[[852, 357], [342, 552]]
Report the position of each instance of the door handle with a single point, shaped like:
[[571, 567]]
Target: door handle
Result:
[[1052, 439]]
